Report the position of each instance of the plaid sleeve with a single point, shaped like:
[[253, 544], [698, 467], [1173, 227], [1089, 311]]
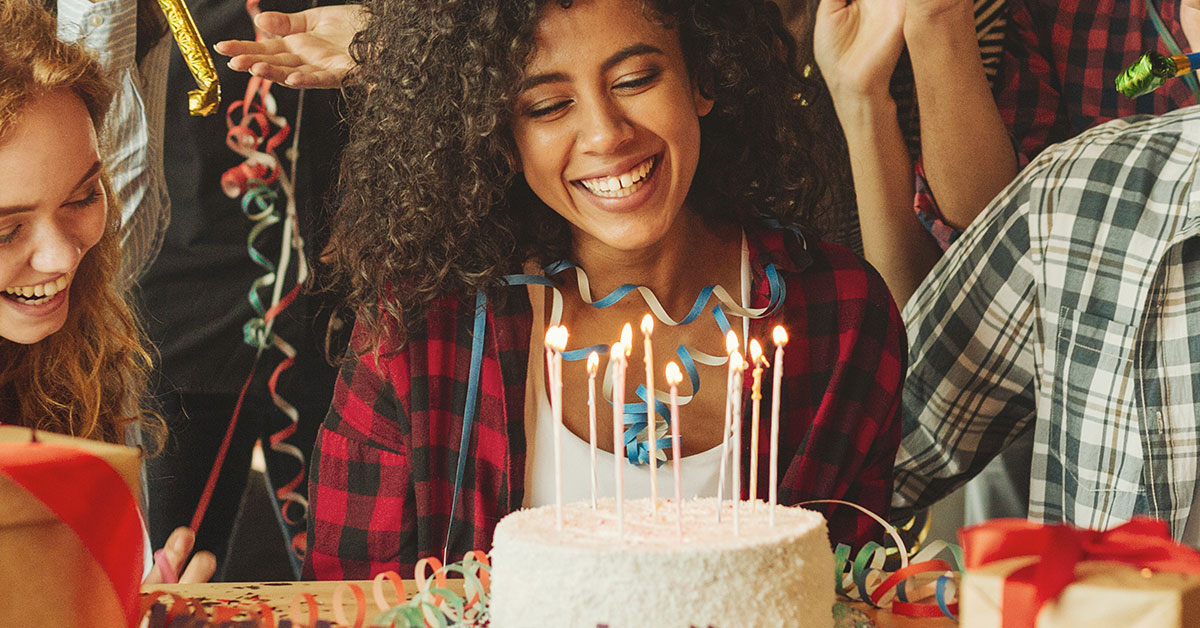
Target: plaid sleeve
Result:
[[971, 325], [844, 366], [1028, 90], [361, 501]]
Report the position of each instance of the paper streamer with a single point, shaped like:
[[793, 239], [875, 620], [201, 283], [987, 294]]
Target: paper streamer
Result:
[[256, 131], [433, 605], [204, 100], [865, 579], [637, 450]]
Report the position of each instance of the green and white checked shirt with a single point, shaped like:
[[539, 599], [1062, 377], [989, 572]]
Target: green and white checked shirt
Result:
[[1070, 307]]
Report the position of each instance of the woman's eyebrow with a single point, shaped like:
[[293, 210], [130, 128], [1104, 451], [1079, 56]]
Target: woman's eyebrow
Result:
[[17, 209], [88, 175], [617, 57]]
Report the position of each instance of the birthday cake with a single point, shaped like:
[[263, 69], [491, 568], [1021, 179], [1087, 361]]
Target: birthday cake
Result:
[[588, 575]]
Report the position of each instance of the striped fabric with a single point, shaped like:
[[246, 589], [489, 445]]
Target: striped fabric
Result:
[[384, 464], [131, 140], [1071, 307], [1060, 58]]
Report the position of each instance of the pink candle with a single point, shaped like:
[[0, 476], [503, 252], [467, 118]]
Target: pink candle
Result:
[[757, 359], [651, 415], [593, 364], [556, 342], [673, 379], [731, 346], [739, 367], [779, 335]]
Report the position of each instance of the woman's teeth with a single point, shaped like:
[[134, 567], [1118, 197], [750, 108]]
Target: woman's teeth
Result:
[[620, 185], [37, 295]]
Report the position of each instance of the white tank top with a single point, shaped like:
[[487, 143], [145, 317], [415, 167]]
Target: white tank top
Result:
[[699, 472]]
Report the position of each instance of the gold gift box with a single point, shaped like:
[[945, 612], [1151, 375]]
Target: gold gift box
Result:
[[1104, 595]]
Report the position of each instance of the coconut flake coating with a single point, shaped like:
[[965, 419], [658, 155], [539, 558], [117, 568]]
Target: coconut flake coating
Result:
[[583, 576]]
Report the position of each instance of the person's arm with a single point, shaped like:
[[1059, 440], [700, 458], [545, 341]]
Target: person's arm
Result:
[[360, 484], [311, 48], [972, 331], [857, 47], [967, 155], [1189, 19]]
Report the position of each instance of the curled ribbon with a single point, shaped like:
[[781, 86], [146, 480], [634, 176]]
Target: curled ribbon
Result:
[[1143, 543], [865, 579], [204, 100], [433, 605]]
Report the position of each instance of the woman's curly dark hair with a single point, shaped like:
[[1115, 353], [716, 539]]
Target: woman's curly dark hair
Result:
[[431, 203]]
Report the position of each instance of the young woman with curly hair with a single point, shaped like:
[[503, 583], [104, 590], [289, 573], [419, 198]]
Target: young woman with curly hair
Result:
[[661, 143], [71, 354]]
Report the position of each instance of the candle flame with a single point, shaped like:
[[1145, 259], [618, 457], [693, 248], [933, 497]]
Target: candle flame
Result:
[[647, 324], [736, 361], [618, 351], [627, 339], [731, 342], [779, 335], [593, 363], [673, 374], [756, 355], [556, 338]]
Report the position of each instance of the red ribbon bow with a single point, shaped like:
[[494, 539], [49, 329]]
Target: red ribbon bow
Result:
[[1143, 543]]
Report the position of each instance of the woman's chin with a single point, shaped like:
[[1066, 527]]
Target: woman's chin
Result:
[[28, 325]]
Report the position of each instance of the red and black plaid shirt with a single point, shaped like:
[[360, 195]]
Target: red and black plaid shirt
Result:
[[384, 463], [1061, 58]]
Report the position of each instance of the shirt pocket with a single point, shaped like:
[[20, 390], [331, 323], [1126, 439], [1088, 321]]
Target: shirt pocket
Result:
[[1093, 437]]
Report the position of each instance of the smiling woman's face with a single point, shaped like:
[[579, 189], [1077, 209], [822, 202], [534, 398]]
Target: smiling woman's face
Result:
[[52, 211], [607, 124]]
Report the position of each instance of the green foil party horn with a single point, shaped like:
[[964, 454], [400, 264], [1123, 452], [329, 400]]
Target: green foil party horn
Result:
[[1152, 70]]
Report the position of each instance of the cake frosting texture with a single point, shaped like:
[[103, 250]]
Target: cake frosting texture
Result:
[[583, 576]]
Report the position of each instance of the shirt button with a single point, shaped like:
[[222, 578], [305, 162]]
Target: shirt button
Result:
[[95, 20]]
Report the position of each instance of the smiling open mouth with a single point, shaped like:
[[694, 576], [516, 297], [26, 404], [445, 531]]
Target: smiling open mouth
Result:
[[622, 185], [39, 294]]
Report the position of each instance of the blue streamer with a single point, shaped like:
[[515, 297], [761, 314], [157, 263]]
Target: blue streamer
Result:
[[469, 409]]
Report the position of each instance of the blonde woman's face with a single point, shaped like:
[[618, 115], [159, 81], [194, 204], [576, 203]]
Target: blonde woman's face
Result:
[[52, 211]]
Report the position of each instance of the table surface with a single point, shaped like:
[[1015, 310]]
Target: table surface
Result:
[[280, 595]]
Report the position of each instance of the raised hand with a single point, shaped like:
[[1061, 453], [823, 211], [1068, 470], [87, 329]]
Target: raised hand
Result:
[[1189, 19], [312, 48], [857, 44], [174, 555], [932, 9]]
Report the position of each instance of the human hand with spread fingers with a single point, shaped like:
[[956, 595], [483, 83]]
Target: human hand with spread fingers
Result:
[[311, 48]]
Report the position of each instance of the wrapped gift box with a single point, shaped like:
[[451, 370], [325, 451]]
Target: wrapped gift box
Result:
[[65, 521], [1103, 595]]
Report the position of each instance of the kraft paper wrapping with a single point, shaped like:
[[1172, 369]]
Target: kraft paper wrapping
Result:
[[1104, 595], [48, 577]]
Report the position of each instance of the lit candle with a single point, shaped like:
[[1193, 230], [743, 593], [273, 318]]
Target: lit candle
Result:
[[651, 415], [617, 359], [779, 335], [556, 342], [757, 359], [739, 367], [621, 353], [731, 346], [673, 379], [593, 364]]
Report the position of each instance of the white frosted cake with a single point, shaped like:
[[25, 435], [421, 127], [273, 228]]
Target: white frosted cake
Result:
[[584, 577]]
